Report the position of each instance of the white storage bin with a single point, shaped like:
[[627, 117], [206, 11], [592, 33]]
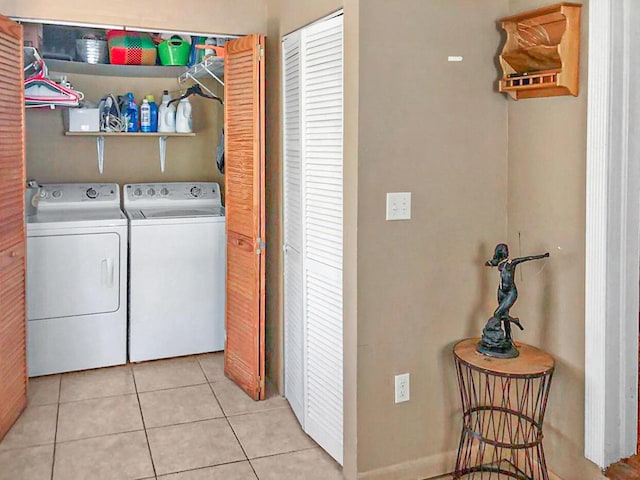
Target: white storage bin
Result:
[[83, 119]]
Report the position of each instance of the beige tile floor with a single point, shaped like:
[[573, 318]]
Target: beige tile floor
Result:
[[177, 419]]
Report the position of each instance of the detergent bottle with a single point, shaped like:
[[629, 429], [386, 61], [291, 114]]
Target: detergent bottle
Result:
[[153, 111], [145, 116], [166, 115], [184, 122]]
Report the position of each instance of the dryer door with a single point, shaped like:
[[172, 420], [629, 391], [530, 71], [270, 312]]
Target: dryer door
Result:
[[69, 275]]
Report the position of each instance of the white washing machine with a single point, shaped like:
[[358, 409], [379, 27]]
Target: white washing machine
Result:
[[177, 248], [76, 279]]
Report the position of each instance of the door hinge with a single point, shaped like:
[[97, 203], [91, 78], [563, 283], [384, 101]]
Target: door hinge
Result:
[[261, 246], [261, 383], [260, 51]]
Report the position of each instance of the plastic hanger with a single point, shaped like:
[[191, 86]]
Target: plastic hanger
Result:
[[196, 90], [40, 91]]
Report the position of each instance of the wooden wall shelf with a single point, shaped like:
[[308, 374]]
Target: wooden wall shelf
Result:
[[111, 70], [161, 136], [541, 56], [128, 134]]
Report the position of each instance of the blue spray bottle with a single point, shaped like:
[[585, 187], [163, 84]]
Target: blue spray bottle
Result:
[[132, 114]]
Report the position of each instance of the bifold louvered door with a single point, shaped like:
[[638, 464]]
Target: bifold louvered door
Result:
[[13, 364], [292, 176], [244, 359], [313, 158]]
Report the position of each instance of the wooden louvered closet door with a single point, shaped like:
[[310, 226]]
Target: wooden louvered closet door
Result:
[[13, 366], [245, 210]]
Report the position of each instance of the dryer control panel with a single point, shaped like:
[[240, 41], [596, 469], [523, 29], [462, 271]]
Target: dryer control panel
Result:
[[170, 193], [71, 194]]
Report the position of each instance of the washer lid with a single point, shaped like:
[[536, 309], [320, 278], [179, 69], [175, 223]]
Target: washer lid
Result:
[[182, 212], [76, 217], [174, 216]]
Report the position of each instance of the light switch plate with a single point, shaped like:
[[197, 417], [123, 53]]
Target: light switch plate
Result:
[[399, 206]]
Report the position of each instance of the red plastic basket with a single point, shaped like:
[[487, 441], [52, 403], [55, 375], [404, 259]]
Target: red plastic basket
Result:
[[131, 48]]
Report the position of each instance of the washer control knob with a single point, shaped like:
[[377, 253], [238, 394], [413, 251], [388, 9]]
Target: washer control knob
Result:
[[56, 193], [151, 192], [164, 192], [137, 192], [91, 193], [196, 191]]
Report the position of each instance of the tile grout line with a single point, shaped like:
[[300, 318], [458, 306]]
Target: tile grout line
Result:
[[179, 424], [96, 398], [173, 388], [206, 467], [263, 410], [81, 439], [285, 453], [93, 399], [144, 426], [55, 436], [227, 419], [31, 445]]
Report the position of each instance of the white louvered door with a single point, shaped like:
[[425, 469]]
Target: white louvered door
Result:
[[320, 100], [322, 227], [292, 172]]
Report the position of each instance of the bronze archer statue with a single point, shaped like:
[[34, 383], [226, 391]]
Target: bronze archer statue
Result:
[[495, 341]]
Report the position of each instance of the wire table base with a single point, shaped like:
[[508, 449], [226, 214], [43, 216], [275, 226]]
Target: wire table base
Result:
[[503, 405]]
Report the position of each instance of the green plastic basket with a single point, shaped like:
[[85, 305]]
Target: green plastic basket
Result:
[[174, 51]]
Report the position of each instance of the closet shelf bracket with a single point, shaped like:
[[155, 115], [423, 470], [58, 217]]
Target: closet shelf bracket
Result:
[[100, 146], [162, 144], [213, 75], [211, 66]]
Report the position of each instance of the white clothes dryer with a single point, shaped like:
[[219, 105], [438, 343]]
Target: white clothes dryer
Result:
[[76, 279], [177, 248]]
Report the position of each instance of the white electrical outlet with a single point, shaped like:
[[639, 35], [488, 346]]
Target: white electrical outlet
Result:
[[402, 388], [399, 206]]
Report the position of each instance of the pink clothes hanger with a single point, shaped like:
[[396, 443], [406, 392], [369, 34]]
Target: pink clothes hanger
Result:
[[40, 91]]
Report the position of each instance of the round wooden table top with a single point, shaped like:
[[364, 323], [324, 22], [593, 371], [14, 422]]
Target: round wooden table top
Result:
[[531, 361]]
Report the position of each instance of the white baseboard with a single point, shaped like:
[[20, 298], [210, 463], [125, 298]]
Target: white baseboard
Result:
[[553, 476], [419, 469], [434, 466]]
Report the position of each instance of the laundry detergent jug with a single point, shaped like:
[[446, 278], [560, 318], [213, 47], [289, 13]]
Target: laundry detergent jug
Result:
[[166, 115], [184, 122]]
